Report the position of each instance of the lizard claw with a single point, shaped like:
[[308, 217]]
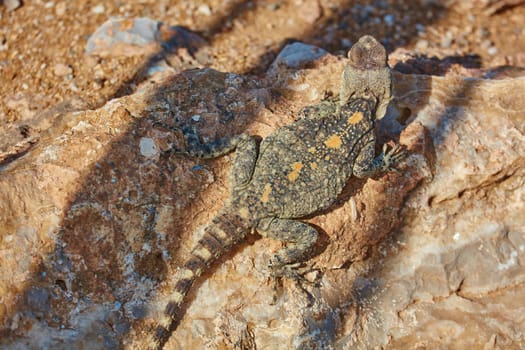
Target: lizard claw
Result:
[[294, 272], [392, 157]]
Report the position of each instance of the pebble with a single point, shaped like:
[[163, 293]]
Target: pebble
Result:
[[61, 70], [492, 50], [196, 118], [420, 28], [389, 20], [73, 87], [139, 32], [156, 69], [446, 40], [296, 55], [12, 5], [346, 43], [421, 44], [148, 148], [60, 9], [98, 9], [138, 36], [486, 44], [482, 33], [204, 10]]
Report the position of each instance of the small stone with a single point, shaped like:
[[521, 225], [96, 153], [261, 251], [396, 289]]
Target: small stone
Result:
[[196, 118], [346, 43], [98, 9], [61, 70], [12, 5], [482, 33], [486, 43], [446, 40], [389, 20], [421, 44], [148, 148], [204, 10], [420, 28], [60, 8], [97, 85], [296, 55], [492, 50], [73, 87]]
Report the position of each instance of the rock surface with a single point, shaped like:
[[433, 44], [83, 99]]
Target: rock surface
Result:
[[139, 36], [95, 220]]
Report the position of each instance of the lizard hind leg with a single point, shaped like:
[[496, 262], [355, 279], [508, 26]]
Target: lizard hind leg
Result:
[[300, 239]]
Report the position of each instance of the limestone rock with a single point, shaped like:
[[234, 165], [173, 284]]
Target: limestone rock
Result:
[[95, 219], [139, 36]]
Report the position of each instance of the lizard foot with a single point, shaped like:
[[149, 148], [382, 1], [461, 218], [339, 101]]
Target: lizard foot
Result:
[[294, 272], [392, 157]]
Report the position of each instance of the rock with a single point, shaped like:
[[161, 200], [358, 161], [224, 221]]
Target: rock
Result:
[[98, 9], [204, 10], [139, 36], [300, 69], [148, 147], [12, 5], [60, 8], [95, 221], [389, 19], [297, 55], [61, 70]]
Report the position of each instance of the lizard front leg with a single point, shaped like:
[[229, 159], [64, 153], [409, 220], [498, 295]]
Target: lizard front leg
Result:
[[366, 165], [244, 159]]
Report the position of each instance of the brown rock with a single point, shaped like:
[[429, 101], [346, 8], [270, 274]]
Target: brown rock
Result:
[[95, 219], [61, 70]]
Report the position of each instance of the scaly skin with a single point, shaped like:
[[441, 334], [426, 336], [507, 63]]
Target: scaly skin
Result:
[[296, 171]]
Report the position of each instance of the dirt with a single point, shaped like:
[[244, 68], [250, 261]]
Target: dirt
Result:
[[42, 43]]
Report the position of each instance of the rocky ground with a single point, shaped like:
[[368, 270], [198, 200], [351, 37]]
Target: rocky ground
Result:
[[95, 219]]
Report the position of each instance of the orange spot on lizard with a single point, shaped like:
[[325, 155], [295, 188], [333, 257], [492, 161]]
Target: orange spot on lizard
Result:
[[266, 194], [333, 141], [355, 118], [296, 169]]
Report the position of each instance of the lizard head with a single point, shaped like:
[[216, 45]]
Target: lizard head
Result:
[[367, 75], [367, 54]]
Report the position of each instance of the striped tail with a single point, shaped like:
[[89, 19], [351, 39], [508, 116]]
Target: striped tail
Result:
[[220, 235]]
